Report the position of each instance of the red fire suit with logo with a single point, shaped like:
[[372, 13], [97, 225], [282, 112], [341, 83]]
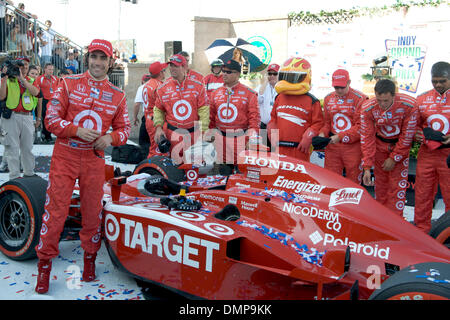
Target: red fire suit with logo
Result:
[[294, 115], [148, 93], [80, 101], [181, 104], [212, 82], [233, 111], [434, 112], [389, 134], [194, 75], [342, 117]]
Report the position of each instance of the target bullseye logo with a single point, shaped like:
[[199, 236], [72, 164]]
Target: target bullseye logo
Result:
[[439, 123], [191, 174], [112, 228], [88, 119], [341, 123], [390, 131], [227, 113], [219, 229], [182, 110], [185, 215], [145, 96]]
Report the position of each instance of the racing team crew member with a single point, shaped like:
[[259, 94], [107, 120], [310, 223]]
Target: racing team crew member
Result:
[[157, 76], [191, 74], [341, 123], [21, 100], [48, 84], [388, 125], [81, 112], [180, 103], [296, 114], [235, 114], [434, 112], [214, 80]]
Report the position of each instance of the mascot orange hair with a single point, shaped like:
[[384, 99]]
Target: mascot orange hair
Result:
[[296, 114]]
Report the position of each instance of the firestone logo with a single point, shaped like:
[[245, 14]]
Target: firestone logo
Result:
[[274, 164], [345, 195]]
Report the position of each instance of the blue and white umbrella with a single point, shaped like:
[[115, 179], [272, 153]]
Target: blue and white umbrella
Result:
[[223, 49]]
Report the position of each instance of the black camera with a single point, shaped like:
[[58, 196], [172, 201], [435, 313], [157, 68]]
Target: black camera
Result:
[[13, 68]]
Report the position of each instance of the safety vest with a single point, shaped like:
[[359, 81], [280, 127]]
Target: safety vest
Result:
[[29, 102]]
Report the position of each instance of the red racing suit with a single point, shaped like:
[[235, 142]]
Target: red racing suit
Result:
[[342, 117], [194, 75], [233, 111], [148, 93], [431, 170], [389, 134], [80, 101], [292, 116], [180, 106], [212, 82]]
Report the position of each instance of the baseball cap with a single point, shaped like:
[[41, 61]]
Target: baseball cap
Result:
[[178, 60], [232, 65], [156, 67], [340, 78], [273, 67], [101, 45], [433, 138]]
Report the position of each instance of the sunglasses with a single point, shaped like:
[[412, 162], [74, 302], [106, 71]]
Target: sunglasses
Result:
[[339, 88], [229, 71], [272, 73], [292, 77], [176, 59]]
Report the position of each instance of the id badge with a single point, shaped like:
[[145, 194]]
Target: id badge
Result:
[[26, 100]]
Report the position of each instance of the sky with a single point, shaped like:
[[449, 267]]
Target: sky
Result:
[[152, 22]]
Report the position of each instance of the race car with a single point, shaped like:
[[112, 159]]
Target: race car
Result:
[[276, 228]]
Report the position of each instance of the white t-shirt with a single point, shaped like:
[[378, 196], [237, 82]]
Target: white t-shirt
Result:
[[48, 37], [265, 102], [139, 98]]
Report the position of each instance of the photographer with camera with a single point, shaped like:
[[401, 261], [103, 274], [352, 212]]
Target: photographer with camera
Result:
[[17, 116]]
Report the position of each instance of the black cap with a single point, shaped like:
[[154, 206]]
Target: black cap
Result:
[[431, 134], [320, 143], [232, 65]]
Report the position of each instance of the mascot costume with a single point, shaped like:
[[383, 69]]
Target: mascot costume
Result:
[[296, 114]]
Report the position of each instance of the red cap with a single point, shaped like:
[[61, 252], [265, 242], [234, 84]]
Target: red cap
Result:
[[157, 67], [340, 78], [101, 45], [273, 67], [178, 60]]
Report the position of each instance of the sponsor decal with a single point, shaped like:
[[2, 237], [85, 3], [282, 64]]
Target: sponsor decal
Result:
[[95, 93], [313, 212], [232, 200], [248, 206], [107, 96], [297, 186], [211, 197], [366, 249], [274, 164], [345, 195], [171, 245]]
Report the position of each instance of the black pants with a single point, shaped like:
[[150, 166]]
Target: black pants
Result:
[[144, 139], [45, 133], [2, 35], [265, 135]]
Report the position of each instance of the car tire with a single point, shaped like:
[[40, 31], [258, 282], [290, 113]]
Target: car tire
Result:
[[22, 203], [423, 281], [159, 165], [440, 230]]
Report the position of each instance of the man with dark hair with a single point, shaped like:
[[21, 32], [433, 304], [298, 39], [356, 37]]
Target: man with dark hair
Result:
[[83, 109], [191, 74], [388, 124], [431, 170], [47, 83]]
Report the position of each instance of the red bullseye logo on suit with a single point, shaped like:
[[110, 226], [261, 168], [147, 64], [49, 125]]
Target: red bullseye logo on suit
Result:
[[439, 123], [227, 112], [182, 110], [88, 119], [390, 131], [341, 123]]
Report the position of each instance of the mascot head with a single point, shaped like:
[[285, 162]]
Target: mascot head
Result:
[[294, 77]]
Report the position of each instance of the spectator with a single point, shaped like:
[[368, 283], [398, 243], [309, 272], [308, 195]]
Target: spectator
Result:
[[33, 73], [47, 41], [157, 76], [19, 126], [431, 170], [57, 59], [180, 102], [12, 41], [266, 98], [79, 155], [71, 61], [47, 83], [71, 70], [214, 80], [77, 58], [388, 124], [144, 141], [234, 112], [191, 74], [342, 109], [3, 24]]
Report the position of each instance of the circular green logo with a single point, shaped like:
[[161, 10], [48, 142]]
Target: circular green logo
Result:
[[266, 52]]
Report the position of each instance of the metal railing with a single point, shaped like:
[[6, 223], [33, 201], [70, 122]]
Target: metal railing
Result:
[[21, 34]]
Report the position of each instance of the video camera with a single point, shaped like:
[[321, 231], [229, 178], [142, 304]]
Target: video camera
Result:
[[13, 68]]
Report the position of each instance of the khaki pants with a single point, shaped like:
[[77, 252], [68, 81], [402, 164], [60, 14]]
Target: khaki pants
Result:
[[19, 144]]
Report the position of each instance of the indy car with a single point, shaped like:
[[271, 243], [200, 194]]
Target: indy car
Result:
[[276, 228]]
